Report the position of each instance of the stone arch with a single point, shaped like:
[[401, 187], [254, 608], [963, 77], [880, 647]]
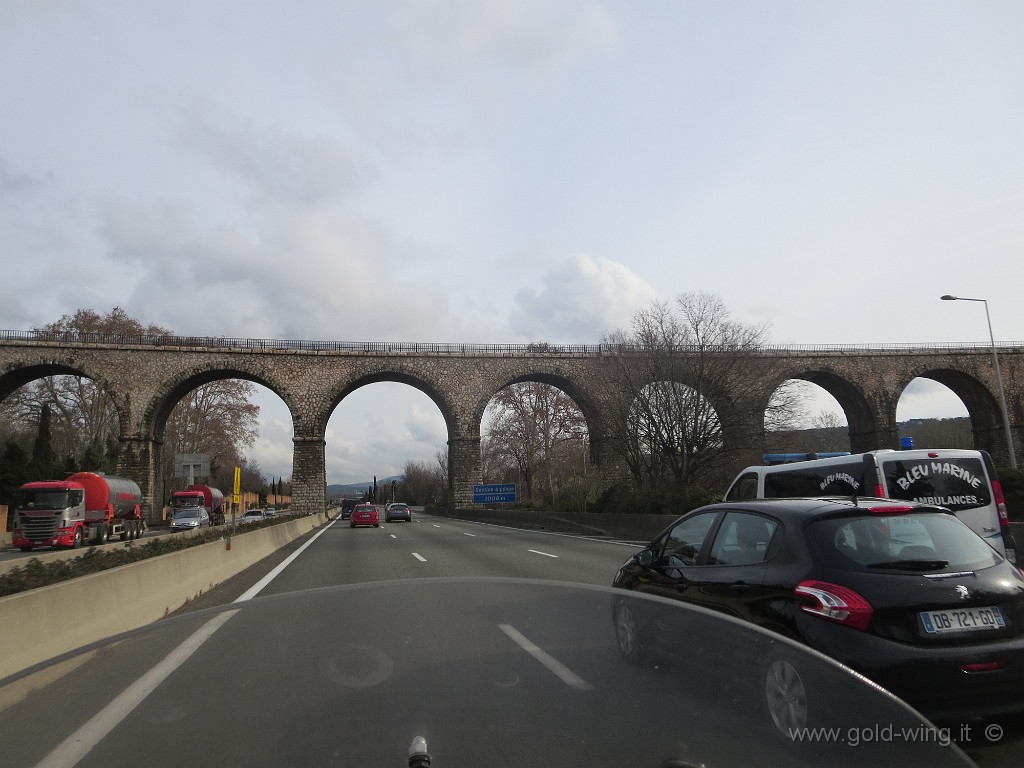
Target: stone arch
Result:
[[364, 379], [583, 399], [860, 417], [599, 458], [982, 404], [153, 418], [453, 419], [158, 409], [18, 375]]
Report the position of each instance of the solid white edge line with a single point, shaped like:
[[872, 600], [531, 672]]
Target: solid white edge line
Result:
[[538, 552], [260, 585], [81, 742], [561, 671]]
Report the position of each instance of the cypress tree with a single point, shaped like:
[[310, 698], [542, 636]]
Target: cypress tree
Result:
[[44, 460], [14, 470]]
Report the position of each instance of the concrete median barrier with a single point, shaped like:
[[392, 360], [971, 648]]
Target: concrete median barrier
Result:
[[41, 624]]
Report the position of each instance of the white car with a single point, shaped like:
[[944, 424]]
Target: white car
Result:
[[253, 516]]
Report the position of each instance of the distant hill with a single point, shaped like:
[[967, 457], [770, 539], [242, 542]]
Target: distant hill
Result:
[[952, 432], [341, 491]]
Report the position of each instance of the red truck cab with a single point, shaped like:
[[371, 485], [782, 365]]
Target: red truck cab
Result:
[[85, 506]]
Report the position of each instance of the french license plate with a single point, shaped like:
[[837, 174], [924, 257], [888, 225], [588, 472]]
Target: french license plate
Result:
[[962, 620]]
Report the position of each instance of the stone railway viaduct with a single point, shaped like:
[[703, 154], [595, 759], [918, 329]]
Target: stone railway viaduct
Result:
[[147, 376]]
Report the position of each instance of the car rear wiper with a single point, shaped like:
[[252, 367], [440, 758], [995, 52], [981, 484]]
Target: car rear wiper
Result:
[[912, 565]]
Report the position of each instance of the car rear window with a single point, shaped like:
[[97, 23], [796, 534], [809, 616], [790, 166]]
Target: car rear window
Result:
[[925, 542], [956, 483], [845, 479]]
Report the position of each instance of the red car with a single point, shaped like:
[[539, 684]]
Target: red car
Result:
[[365, 514]]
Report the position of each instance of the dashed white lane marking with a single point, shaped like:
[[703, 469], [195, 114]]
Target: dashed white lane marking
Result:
[[563, 673], [81, 742]]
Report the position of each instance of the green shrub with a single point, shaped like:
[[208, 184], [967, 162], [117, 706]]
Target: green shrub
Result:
[[624, 500], [35, 573]]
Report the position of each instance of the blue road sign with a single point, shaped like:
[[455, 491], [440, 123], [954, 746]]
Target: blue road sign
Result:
[[494, 494]]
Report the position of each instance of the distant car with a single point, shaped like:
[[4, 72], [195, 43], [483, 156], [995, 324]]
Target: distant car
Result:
[[904, 593], [190, 518], [365, 514], [253, 516], [347, 505], [397, 511], [270, 512]]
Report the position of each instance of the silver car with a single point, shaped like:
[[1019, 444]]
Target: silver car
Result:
[[190, 518], [397, 511]]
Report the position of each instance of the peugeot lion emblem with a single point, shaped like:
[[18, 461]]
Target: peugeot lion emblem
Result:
[[962, 591]]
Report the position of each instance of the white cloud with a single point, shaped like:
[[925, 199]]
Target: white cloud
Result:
[[277, 167], [580, 300], [296, 273], [928, 399]]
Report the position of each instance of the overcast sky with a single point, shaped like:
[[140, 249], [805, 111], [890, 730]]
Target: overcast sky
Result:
[[499, 171]]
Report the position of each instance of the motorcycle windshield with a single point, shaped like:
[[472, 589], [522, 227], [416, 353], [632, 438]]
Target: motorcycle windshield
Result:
[[487, 672]]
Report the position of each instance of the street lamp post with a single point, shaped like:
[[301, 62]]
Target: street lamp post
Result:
[[999, 377]]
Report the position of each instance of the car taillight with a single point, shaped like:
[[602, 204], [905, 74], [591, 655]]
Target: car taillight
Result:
[[1000, 500], [836, 603]]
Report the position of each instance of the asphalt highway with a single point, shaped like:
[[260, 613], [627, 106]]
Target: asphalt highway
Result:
[[343, 646]]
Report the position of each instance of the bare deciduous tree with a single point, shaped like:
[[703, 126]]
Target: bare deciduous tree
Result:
[[219, 420], [675, 363], [529, 424], [827, 433], [422, 483]]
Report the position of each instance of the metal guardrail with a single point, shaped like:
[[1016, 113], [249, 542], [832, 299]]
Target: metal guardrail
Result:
[[449, 349]]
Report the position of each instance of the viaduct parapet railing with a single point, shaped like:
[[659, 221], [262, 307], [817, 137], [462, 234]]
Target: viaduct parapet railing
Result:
[[449, 349]]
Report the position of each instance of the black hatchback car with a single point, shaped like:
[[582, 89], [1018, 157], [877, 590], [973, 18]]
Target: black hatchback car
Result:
[[347, 505], [903, 593]]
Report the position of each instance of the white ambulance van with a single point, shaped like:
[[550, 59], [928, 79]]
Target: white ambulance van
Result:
[[962, 480]]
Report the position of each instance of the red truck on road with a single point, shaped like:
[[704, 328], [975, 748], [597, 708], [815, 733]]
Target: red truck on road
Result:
[[86, 506], [199, 495]]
